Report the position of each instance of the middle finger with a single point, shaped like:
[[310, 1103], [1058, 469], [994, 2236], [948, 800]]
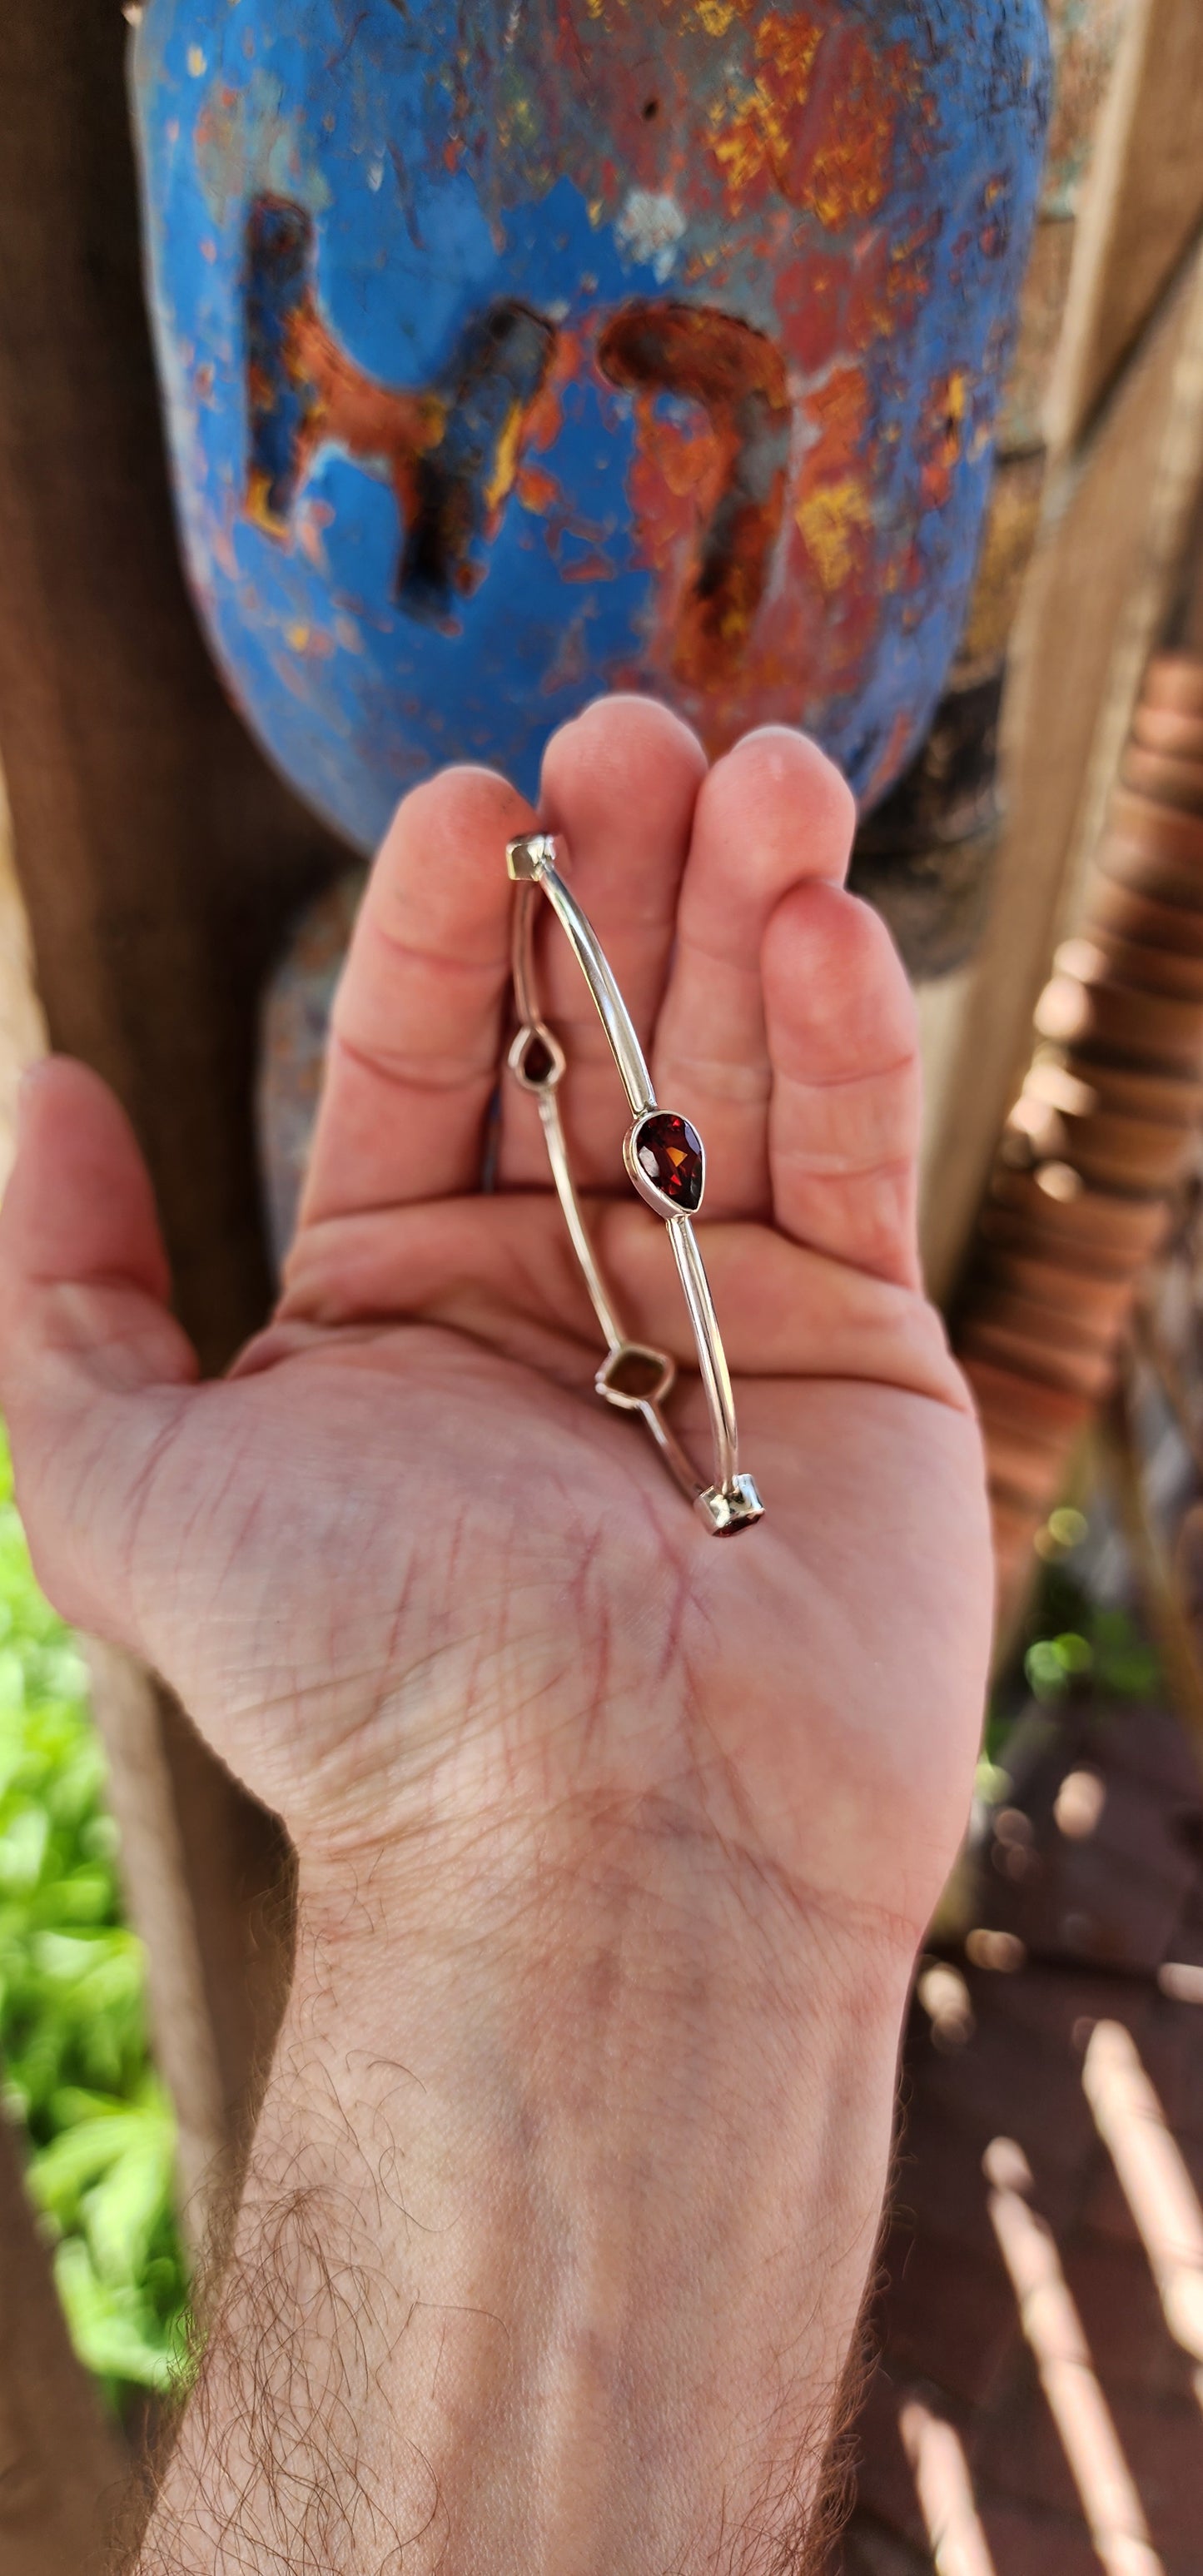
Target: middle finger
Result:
[[620, 783]]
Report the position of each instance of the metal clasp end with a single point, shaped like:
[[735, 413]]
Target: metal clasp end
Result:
[[528, 857]]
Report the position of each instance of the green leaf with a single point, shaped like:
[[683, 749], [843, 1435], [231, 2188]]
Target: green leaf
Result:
[[123, 2214], [110, 2329], [23, 1849], [59, 2175], [74, 2067]]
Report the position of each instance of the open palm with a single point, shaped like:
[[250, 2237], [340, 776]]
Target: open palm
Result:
[[402, 1567]]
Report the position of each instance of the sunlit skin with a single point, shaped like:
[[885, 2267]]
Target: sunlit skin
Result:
[[616, 1840]]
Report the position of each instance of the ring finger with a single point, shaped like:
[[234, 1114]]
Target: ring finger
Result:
[[773, 814]]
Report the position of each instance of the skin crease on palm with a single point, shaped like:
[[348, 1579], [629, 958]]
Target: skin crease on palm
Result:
[[447, 1614]]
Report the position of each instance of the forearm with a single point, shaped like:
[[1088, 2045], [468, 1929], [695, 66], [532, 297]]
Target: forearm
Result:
[[554, 2238]]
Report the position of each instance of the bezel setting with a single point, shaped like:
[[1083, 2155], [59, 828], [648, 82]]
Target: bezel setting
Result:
[[731, 1507], [638, 1139], [660, 1372], [535, 1033]]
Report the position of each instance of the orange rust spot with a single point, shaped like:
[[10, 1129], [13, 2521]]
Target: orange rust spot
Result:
[[818, 123], [946, 440], [849, 170], [690, 460], [537, 489], [545, 414], [756, 147], [714, 17], [833, 519], [368, 419], [811, 295], [590, 567], [833, 508], [891, 279], [839, 410], [738, 375]]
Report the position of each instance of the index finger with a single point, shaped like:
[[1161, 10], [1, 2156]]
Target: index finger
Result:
[[416, 1028]]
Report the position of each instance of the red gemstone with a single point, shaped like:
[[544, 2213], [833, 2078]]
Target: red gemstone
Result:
[[669, 1154]]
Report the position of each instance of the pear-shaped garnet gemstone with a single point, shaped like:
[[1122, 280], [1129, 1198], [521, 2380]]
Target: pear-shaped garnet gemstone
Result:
[[669, 1154]]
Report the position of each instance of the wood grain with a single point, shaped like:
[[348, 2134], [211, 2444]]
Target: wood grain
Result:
[[63, 2472], [158, 857], [1115, 526], [127, 1708], [1141, 208], [157, 854]]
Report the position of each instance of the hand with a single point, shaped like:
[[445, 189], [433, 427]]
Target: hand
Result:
[[422, 1592], [402, 1561]]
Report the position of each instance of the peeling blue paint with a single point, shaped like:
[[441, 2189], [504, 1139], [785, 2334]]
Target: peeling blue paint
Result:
[[852, 179]]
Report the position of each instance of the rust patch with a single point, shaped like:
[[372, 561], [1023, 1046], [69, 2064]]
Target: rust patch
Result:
[[948, 426], [818, 121], [757, 146], [834, 506], [848, 172], [739, 378], [450, 450]]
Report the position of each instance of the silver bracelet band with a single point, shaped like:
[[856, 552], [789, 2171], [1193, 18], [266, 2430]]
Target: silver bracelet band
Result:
[[665, 1160]]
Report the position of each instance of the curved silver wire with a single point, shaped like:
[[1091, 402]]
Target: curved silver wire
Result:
[[632, 1376]]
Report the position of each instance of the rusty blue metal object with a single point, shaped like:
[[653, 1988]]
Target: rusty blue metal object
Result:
[[515, 349]]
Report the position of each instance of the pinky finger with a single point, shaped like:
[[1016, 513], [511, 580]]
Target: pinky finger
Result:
[[844, 1115]]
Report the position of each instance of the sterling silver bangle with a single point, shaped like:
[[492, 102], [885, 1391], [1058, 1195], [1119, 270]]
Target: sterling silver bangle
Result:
[[666, 1161]]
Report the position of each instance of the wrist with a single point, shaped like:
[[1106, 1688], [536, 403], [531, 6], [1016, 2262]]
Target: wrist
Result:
[[562, 2202], [641, 2151]]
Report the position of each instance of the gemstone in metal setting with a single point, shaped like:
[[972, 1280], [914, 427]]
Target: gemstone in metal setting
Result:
[[666, 1161]]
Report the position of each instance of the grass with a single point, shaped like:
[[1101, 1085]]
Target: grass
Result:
[[95, 2122]]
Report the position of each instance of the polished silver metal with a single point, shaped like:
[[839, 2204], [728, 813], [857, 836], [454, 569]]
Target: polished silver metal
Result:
[[634, 1377]]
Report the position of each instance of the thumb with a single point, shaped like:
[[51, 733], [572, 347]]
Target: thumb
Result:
[[93, 1367]]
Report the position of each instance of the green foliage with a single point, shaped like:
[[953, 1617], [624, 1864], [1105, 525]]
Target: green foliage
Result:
[[1078, 1643], [1073, 1645], [1105, 1649], [73, 2050]]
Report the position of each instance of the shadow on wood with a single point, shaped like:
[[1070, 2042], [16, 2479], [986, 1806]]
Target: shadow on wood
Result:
[[158, 859], [62, 2472]]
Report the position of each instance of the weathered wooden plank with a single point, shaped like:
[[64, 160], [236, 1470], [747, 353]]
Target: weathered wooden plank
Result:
[[22, 1021], [54, 2501], [156, 852], [63, 2472], [1114, 530], [155, 1766], [238, 1877], [126, 1706], [1141, 208], [158, 856], [208, 1905]]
